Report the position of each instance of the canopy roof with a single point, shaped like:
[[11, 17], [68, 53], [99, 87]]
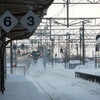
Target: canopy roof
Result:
[[19, 8]]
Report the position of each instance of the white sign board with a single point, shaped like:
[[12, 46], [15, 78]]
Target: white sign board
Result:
[[8, 21], [30, 21]]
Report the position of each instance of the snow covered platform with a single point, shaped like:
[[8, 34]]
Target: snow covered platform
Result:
[[19, 88]]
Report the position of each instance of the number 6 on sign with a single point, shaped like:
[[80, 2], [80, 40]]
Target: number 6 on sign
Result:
[[8, 21], [30, 21]]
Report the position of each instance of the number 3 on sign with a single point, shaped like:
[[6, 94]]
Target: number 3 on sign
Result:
[[30, 21]]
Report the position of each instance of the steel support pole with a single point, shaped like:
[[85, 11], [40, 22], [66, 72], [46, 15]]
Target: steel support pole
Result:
[[95, 59], [83, 43], [52, 58], [66, 52], [2, 65], [69, 46], [80, 44], [11, 57], [77, 50], [67, 13], [50, 27]]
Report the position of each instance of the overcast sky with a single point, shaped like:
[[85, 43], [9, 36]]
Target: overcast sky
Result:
[[78, 10]]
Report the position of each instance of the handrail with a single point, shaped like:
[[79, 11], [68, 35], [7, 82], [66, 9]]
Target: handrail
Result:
[[19, 67]]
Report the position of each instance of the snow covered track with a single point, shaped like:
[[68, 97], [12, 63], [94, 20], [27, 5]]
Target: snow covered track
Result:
[[44, 90], [57, 83], [78, 82], [53, 93], [59, 86]]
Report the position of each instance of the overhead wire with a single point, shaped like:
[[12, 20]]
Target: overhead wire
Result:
[[65, 8], [75, 4], [59, 12]]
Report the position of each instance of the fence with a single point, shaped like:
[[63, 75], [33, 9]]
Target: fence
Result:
[[20, 70], [89, 77]]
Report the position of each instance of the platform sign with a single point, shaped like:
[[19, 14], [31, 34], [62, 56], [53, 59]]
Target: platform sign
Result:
[[30, 21], [8, 21]]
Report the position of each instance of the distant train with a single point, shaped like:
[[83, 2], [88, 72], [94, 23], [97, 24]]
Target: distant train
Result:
[[35, 55]]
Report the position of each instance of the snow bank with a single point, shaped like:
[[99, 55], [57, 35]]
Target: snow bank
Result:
[[89, 68], [87, 65], [74, 61]]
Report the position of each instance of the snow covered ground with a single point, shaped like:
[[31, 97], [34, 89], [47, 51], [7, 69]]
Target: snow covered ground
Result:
[[53, 83], [60, 83], [18, 88]]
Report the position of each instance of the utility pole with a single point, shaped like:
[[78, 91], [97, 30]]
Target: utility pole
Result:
[[67, 4], [80, 44], [95, 59], [83, 48], [11, 57], [69, 40], [50, 27], [58, 45], [77, 50], [67, 53], [52, 52], [67, 13]]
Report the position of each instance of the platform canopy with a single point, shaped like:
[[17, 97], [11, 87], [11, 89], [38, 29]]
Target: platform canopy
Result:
[[19, 8]]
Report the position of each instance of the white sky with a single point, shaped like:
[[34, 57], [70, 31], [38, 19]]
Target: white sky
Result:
[[75, 11], [78, 10]]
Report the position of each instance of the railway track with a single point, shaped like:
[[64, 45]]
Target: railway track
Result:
[[52, 94], [51, 91], [47, 94], [83, 84]]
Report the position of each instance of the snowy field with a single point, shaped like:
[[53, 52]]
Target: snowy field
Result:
[[55, 82]]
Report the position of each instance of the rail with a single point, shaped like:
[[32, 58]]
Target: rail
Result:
[[89, 77], [17, 70]]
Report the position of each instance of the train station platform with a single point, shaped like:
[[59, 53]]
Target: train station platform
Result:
[[19, 88]]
